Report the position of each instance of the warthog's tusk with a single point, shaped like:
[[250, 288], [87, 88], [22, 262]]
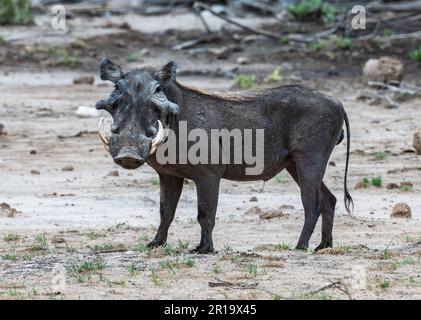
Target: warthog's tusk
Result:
[[159, 138], [101, 133]]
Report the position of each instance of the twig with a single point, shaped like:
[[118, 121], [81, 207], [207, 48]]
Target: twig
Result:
[[339, 285], [77, 135], [191, 43], [235, 285], [201, 5], [197, 12], [398, 7]]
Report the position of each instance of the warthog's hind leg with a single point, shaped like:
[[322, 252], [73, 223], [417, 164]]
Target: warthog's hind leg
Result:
[[308, 173], [170, 191], [327, 208]]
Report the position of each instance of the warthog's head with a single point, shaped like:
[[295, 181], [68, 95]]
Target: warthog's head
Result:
[[140, 110]]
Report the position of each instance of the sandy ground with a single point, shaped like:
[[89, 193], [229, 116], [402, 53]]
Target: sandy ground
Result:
[[79, 231]]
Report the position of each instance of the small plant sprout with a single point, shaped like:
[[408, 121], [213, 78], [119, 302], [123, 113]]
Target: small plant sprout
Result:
[[245, 81], [155, 278], [415, 54], [317, 46], [189, 262], [217, 270], [155, 181], [183, 245], [93, 235], [283, 246], [405, 187], [87, 266], [380, 155], [10, 237], [275, 76], [143, 248], [342, 43], [133, 57], [384, 284], [169, 250], [377, 181], [227, 250], [252, 269], [10, 257], [133, 269], [388, 32]]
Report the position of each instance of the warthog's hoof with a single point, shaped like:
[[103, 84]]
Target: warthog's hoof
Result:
[[202, 250], [156, 243], [302, 246], [324, 245]]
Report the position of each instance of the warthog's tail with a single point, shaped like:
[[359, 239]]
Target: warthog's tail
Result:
[[347, 197]]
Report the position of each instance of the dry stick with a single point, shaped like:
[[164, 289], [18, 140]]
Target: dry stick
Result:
[[335, 285], [201, 5], [197, 12], [238, 285], [270, 35], [398, 7]]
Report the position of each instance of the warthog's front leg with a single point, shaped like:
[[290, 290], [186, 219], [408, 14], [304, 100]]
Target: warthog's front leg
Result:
[[207, 202], [171, 188]]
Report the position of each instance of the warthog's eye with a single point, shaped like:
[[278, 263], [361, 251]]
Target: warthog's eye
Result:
[[158, 89]]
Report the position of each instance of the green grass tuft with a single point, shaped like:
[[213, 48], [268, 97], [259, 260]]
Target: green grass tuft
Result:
[[415, 54], [245, 81], [15, 12]]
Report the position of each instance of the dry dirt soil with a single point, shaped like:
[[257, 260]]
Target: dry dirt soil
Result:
[[77, 224]]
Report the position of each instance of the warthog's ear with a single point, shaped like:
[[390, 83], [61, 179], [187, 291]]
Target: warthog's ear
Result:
[[110, 71], [167, 73]]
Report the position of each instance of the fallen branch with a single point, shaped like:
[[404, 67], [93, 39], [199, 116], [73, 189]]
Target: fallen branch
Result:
[[234, 285], [77, 135], [398, 7], [191, 43], [201, 5], [338, 285]]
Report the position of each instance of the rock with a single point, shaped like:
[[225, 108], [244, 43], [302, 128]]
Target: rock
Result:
[[417, 141], [87, 112], [392, 186], [242, 60], [332, 71], [253, 211], [84, 80], [7, 211], [36, 172], [361, 185], [253, 199], [56, 240], [67, 168], [332, 163], [78, 44], [271, 214], [385, 69], [2, 130], [220, 53], [401, 210], [144, 52], [113, 173], [406, 184], [33, 152]]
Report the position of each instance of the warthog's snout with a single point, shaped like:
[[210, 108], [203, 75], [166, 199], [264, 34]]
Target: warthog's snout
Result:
[[129, 158]]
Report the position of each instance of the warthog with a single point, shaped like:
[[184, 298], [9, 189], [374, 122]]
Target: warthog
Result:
[[301, 128]]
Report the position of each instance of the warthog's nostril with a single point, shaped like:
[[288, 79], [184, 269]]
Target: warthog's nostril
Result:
[[115, 129], [129, 160]]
